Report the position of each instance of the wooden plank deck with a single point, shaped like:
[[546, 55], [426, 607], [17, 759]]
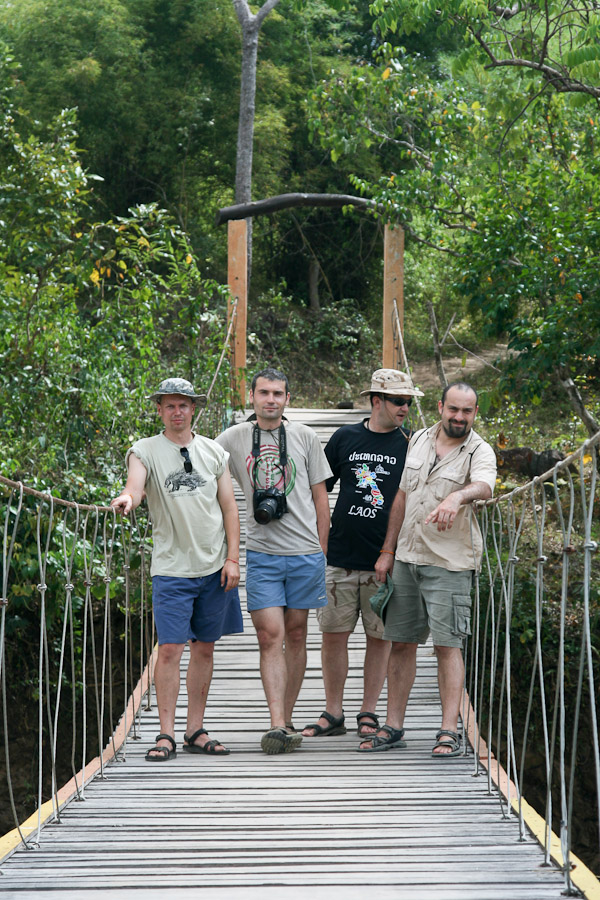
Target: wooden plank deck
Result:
[[324, 818]]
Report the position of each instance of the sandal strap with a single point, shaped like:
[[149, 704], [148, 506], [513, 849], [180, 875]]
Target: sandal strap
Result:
[[165, 737], [191, 739], [367, 715], [451, 734], [394, 733], [155, 750], [332, 719]]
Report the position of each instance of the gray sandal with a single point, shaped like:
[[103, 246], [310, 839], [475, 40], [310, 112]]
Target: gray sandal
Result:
[[379, 742], [453, 741]]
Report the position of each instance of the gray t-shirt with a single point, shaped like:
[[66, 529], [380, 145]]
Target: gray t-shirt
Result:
[[187, 522], [295, 533]]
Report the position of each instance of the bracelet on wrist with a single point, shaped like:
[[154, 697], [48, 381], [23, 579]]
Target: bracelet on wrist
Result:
[[391, 552], [229, 559]]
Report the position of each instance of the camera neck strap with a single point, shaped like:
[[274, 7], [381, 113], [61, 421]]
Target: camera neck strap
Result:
[[282, 443]]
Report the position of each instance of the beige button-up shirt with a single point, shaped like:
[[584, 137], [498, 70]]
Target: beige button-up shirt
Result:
[[426, 483]]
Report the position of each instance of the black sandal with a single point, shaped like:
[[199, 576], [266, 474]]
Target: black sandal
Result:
[[336, 726], [373, 722], [165, 752], [209, 747]]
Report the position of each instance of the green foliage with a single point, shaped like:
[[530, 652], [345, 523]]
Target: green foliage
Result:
[[502, 182], [90, 312], [319, 351], [156, 88], [557, 43]]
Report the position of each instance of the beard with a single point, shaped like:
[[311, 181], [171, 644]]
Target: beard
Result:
[[455, 431]]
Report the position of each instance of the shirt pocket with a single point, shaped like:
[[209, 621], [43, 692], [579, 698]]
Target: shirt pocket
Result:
[[446, 484], [461, 605], [412, 470]]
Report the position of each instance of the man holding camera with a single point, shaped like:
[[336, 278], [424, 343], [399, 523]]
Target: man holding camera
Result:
[[281, 467]]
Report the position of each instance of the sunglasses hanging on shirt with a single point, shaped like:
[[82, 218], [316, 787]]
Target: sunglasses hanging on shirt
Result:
[[187, 463]]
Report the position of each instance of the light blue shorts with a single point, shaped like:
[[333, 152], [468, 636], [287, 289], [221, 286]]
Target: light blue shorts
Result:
[[194, 609], [297, 582]]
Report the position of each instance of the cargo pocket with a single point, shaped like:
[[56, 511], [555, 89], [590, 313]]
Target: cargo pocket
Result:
[[462, 614]]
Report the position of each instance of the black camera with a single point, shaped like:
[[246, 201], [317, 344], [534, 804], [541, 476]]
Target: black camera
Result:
[[269, 504]]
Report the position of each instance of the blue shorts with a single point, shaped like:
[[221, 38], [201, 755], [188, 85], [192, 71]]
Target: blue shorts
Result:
[[297, 582], [194, 609]]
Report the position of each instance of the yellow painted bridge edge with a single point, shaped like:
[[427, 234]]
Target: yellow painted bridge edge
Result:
[[11, 840], [582, 877]]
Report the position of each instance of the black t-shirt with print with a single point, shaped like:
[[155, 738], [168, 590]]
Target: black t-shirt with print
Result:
[[369, 466]]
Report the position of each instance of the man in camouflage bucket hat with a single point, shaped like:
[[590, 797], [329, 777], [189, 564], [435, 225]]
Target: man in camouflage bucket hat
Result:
[[177, 386], [195, 557]]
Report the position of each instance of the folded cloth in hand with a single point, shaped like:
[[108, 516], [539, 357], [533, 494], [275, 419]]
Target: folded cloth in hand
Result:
[[380, 598]]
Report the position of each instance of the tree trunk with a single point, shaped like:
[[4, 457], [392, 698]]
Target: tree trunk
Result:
[[437, 350], [250, 25], [592, 425], [313, 284]]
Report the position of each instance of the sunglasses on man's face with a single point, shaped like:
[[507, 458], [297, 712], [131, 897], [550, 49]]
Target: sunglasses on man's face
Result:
[[400, 401], [187, 463]]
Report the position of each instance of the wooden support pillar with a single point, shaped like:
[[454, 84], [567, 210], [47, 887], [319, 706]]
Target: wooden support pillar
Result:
[[237, 279], [393, 289]]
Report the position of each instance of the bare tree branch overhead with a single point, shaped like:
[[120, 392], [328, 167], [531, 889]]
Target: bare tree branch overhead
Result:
[[288, 201]]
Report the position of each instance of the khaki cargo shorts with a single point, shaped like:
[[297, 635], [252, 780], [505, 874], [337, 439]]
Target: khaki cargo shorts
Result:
[[348, 593], [429, 599]]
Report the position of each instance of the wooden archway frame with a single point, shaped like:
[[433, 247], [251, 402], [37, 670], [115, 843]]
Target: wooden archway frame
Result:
[[237, 274]]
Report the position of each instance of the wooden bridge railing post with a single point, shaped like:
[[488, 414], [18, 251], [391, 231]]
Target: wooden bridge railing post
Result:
[[393, 289], [237, 279]]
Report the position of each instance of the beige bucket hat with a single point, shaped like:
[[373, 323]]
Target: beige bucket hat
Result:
[[393, 382]]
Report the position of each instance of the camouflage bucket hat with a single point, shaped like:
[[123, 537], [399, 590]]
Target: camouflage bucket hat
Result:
[[178, 386]]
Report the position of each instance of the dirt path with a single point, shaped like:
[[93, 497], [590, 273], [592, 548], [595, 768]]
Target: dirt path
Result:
[[426, 377], [425, 374]]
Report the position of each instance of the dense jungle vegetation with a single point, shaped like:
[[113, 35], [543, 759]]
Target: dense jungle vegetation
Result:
[[473, 125]]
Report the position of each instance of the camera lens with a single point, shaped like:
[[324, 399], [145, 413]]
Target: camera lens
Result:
[[265, 510]]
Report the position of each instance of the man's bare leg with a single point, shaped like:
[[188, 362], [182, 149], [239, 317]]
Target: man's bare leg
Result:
[[199, 676], [377, 657], [334, 663], [166, 682], [451, 676], [296, 626], [402, 668], [270, 631]]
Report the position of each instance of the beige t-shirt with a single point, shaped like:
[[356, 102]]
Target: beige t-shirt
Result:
[[295, 533], [426, 483], [187, 524]]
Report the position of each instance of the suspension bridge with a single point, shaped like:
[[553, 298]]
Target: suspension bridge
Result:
[[397, 824]]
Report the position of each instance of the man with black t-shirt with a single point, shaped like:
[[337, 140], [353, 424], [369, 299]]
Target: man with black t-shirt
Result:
[[368, 459]]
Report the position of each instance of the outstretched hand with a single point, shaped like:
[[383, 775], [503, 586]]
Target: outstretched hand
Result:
[[445, 513]]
